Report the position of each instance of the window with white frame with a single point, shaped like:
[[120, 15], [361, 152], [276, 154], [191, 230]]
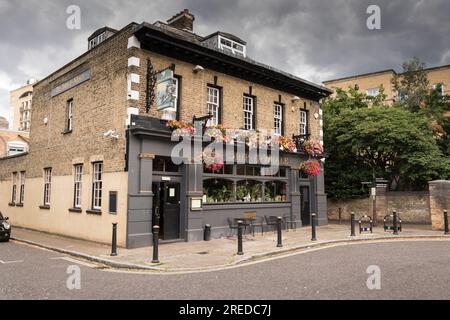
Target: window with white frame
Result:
[[278, 119], [439, 87], [47, 185], [249, 109], [97, 185], [171, 113], [303, 122], [78, 186], [22, 187], [16, 147], [232, 46], [213, 106], [373, 92], [25, 115], [69, 116], [14, 187]]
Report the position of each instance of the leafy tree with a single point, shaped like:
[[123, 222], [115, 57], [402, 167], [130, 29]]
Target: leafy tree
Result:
[[412, 85]]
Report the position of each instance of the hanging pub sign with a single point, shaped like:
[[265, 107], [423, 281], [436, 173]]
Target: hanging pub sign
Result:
[[165, 90]]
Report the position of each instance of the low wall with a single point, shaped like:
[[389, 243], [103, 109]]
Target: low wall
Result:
[[413, 207], [439, 201]]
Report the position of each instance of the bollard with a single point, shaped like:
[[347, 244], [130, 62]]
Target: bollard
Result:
[[240, 244], [280, 235], [352, 222], [313, 225], [446, 231], [114, 241], [340, 216], [155, 244], [395, 223]]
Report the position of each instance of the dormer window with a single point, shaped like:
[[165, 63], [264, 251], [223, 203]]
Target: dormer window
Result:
[[97, 40], [232, 46]]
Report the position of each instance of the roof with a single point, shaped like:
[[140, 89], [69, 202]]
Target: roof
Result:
[[185, 45], [100, 31]]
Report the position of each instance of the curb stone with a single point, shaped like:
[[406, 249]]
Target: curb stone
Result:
[[240, 262]]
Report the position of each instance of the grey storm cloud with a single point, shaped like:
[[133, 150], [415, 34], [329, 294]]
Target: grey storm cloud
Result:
[[314, 39]]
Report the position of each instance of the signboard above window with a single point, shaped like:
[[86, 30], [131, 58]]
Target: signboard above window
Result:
[[165, 90]]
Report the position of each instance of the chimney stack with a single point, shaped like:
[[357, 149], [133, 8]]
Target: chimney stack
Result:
[[183, 21]]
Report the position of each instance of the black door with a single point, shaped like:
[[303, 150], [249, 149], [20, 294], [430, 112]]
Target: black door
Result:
[[166, 209], [305, 206]]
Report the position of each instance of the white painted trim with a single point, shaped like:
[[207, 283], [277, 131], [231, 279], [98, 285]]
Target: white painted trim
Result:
[[133, 95], [134, 62], [133, 42], [135, 78]]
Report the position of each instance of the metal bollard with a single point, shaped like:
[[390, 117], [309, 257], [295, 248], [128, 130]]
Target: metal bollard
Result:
[[155, 244], [446, 231], [313, 225], [395, 223], [340, 216], [114, 241], [240, 244], [280, 235], [352, 222]]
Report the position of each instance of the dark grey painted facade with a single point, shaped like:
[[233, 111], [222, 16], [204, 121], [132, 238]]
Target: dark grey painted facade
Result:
[[149, 138]]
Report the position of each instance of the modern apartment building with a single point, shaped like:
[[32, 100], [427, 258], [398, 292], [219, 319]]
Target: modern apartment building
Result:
[[21, 100], [101, 147], [370, 83]]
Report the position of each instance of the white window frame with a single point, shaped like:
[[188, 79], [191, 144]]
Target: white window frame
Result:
[[373, 92], [22, 187], [278, 119], [97, 185], [14, 187], [47, 186], [16, 147], [442, 88], [69, 116], [213, 105], [232, 48], [249, 109], [303, 122], [78, 186]]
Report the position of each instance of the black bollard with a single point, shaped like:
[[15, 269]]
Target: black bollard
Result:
[[155, 244], [114, 241], [446, 232], [395, 223], [280, 235], [313, 225], [340, 216], [352, 222], [240, 244]]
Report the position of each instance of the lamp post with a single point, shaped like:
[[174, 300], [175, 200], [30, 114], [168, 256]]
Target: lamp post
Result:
[[377, 182]]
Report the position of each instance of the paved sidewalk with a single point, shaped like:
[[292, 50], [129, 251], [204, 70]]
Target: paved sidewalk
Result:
[[215, 254]]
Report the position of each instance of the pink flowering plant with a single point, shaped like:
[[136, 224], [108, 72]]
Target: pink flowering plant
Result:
[[313, 148], [312, 168]]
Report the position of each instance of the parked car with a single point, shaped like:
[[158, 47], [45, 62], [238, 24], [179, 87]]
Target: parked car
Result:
[[5, 229]]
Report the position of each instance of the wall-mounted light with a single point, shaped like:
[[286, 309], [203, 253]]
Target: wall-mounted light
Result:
[[198, 69], [295, 99], [45, 121]]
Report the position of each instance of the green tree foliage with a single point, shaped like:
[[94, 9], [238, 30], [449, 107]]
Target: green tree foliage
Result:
[[364, 138]]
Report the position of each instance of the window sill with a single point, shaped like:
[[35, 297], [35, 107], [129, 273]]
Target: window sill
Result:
[[94, 212], [44, 207], [11, 204], [20, 205], [75, 210], [66, 132]]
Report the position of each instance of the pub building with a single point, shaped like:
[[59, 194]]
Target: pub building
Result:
[[101, 139]]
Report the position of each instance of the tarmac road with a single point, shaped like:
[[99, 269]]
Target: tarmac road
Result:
[[409, 270]]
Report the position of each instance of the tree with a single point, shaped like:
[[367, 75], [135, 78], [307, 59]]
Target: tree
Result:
[[392, 143], [412, 85]]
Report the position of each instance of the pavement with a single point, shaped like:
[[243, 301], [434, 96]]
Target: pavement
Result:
[[216, 254]]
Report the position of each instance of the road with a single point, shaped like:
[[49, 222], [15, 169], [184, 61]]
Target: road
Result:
[[409, 270]]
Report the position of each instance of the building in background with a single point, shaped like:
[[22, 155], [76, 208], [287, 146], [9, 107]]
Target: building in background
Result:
[[100, 148], [21, 100], [370, 83], [12, 142]]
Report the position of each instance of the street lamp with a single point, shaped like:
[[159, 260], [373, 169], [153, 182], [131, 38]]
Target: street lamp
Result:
[[376, 183]]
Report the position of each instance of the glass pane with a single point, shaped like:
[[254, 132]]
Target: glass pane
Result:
[[249, 191], [218, 191]]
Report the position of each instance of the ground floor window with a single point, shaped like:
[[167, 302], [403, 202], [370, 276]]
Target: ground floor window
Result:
[[22, 187], [275, 191], [218, 191], [97, 187], [47, 185]]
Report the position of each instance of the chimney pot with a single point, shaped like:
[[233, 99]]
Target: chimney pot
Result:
[[182, 21]]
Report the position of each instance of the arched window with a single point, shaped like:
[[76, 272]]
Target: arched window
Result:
[[26, 94], [249, 191], [275, 191]]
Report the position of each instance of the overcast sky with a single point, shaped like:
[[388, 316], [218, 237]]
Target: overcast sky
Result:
[[314, 39]]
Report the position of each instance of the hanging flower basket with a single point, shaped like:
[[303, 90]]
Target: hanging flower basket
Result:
[[286, 144], [181, 129], [313, 148], [214, 163], [312, 168]]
